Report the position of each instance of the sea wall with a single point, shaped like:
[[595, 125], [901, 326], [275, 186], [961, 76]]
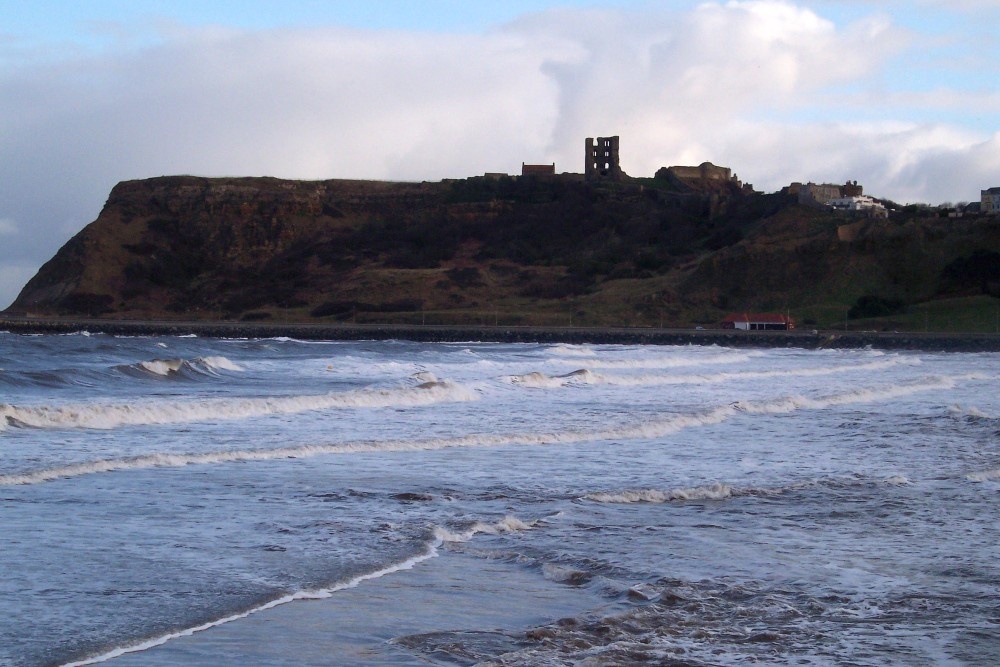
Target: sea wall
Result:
[[808, 339]]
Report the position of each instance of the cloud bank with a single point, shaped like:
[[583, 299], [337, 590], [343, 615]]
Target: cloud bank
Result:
[[771, 89]]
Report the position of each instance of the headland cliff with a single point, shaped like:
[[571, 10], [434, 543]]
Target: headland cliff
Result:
[[546, 250]]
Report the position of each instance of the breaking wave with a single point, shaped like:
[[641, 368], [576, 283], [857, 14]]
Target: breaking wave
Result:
[[971, 411], [586, 376], [52, 378], [508, 524], [108, 416], [711, 492], [656, 428], [572, 351], [720, 491], [541, 380], [711, 360], [180, 367], [199, 367]]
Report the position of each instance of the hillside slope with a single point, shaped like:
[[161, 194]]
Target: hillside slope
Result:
[[516, 251]]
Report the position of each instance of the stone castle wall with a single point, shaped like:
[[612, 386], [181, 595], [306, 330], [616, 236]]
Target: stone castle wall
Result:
[[601, 160]]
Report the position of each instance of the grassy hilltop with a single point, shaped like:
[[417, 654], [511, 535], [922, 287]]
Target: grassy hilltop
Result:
[[514, 251]]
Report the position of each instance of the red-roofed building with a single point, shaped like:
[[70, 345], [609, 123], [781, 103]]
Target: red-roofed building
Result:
[[758, 322], [538, 169]]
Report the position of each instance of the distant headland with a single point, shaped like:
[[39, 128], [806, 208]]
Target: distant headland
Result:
[[690, 246]]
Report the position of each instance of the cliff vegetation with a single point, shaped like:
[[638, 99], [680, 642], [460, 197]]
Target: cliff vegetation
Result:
[[513, 251]]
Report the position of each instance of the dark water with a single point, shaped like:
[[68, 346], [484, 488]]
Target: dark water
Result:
[[495, 504]]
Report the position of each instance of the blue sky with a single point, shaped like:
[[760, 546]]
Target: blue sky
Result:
[[900, 96], [76, 20]]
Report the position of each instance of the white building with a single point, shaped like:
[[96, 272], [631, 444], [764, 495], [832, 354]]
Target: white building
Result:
[[859, 203], [990, 202]]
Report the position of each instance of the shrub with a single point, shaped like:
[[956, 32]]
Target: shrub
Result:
[[84, 303], [977, 271], [466, 277], [870, 305]]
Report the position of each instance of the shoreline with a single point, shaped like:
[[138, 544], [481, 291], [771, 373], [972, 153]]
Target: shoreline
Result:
[[483, 606], [802, 338]]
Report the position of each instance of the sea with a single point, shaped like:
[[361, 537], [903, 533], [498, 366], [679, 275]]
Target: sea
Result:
[[198, 501]]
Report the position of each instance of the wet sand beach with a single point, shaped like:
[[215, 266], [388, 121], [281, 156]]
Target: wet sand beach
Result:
[[476, 607]]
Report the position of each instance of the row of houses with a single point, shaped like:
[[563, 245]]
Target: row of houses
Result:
[[602, 160], [848, 197]]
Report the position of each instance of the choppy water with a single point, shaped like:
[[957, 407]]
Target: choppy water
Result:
[[726, 507]]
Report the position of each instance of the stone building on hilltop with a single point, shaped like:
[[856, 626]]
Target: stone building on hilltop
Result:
[[990, 201], [538, 169], [704, 177], [602, 159], [818, 195]]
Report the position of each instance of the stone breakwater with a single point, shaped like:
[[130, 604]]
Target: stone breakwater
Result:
[[808, 339]]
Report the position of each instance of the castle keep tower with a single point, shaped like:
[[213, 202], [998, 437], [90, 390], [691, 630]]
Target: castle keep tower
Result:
[[602, 158]]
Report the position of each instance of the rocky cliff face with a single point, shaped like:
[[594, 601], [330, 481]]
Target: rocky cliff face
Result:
[[520, 251], [187, 243]]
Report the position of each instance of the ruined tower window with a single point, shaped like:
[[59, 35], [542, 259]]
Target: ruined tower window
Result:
[[601, 159]]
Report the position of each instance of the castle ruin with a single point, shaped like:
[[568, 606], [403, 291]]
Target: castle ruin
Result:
[[602, 159]]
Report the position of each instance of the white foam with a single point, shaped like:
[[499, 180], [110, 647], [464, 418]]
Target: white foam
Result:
[[657, 428], [508, 524], [572, 351], [984, 476], [712, 492], [220, 363], [971, 412], [564, 574], [168, 367], [716, 491], [535, 379], [114, 415], [585, 376], [541, 380], [430, 551], [668, 362], [162, 367]]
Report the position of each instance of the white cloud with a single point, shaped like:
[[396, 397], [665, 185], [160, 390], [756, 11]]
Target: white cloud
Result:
[[737, 83], [7, 227]]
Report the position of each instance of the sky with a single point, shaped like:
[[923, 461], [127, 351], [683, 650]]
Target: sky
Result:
[[903, 97]]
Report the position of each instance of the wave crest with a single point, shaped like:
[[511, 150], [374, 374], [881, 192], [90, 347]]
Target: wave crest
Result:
[[585, 376], [540, 380], [506, 525], [114, 415], [446, 391], [172, 368], [663, 363], [715, 491]]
